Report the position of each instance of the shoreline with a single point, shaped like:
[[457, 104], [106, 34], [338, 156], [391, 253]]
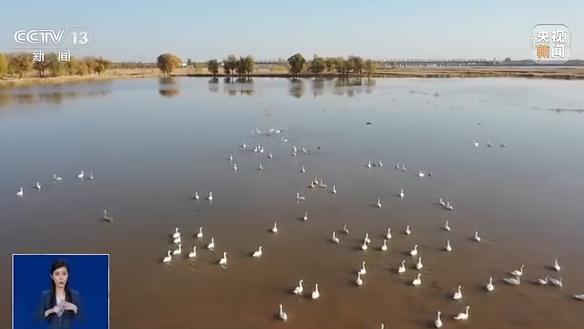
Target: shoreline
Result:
[[566, 73]]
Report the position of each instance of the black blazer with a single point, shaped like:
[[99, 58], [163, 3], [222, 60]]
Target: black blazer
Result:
[[68, 320]]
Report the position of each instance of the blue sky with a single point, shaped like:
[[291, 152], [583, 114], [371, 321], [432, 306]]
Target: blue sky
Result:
[[138, 30]]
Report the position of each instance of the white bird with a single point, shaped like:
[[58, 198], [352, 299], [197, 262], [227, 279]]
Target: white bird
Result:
[[178, 250], [57, 178], [401, 193], [20, 192], [442, 203], [402, 268], [475, 143], [378, 203], [299, 289], [364, 246], [315, 293], [303, 170], [107, 218], [300, 197], [230, 157], [366, 240], [414, 252], [305, 217], [490, 287], [543, 281], [476, 237], [167, 258], [334, 189], [363, 271], [464, 315], [518, 272], [421, 174], [258, 253], [193, 254], [176, 233], [380, 164], [557, 266], [223, 260], [557, 282], [419, 264], [200, 233], [397, 166], [388, 234], [196, 196], [244, 146], [438, 321], [369, 164], [37, 186], [211, 244], [275, 228], [177, 240], [579, 297], [81, 174], [418, 280], [446, 226], [448, 247], [449, 206], [513, 281], [359, 281], [235, 167], [210, 196], [345, 229], [90, 177], [260, 167], [384, 245], [270, 155], [408, 231], [403, 168], [335, 239], [458, 294], [281, 314]]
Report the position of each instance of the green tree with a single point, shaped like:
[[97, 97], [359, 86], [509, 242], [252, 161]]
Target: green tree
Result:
[[329, 63], [370, 67], [296, 63], [20, 63], [355, 64], [317, 65], [54, 65], [230, 64], [167, 63], [3, 65], [76, 67], [101, 64], [341, 66], [213, 67], [245, 66]]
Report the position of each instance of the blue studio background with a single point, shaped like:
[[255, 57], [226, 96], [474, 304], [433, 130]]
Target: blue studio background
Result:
[[88, 274]]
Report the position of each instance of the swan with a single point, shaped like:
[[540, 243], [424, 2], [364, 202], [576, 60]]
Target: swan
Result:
[[20, 192], [196, 196], [364, 246], [441, 202], [401, 193], [200, 233], [362, 271], [490, 287], [579, 297], [235, 167], [334, 190], [260, 167], [384, 246], [418, 280], [556, 266], [244, 146], [315, 293], [518, 272], [543, 281], [37, 186], [304, 150], [476, 237], [408, 231], [397, 166], [421, 174], [402, 268], [210, 197], [211, 244], [303, 170], [193, 253], [106, 217], [305, 217], [275, 228], [90, 177], [366, 240], [403, 168], [380, 164], [281, 314], [458, 294], [176, 233], [81, 174], [258, 253], [449, 206], [448, 247], [475, 143], [230, 157], [300, 197], [270, 155], [513, 281], [167, 258], [178, 250], [369, 164], [177, 240], [438, 321], [299, 289], [335, 239], [345, 229], [57, 178], [223, 260], [359, 281], [378, 203], [419, 264], [557, 282], [414, 252], [464, 315], [388, 234], [446, 226], [322, 184]]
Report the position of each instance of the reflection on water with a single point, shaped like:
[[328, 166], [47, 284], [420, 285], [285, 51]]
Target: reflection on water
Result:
[[168, 87], [213, 85], [52, 94], [240, 85], [296, 88]]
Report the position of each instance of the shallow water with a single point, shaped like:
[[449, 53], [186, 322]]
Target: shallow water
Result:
[[152, 143]]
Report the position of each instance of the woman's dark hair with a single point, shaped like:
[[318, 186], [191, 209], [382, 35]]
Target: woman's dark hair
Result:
[[56, 265]]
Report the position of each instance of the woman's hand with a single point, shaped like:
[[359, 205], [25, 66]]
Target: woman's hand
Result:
[[56, 309], [70, 307]]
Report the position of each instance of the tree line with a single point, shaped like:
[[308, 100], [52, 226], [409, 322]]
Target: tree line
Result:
[[296, 64], [19, 64]]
